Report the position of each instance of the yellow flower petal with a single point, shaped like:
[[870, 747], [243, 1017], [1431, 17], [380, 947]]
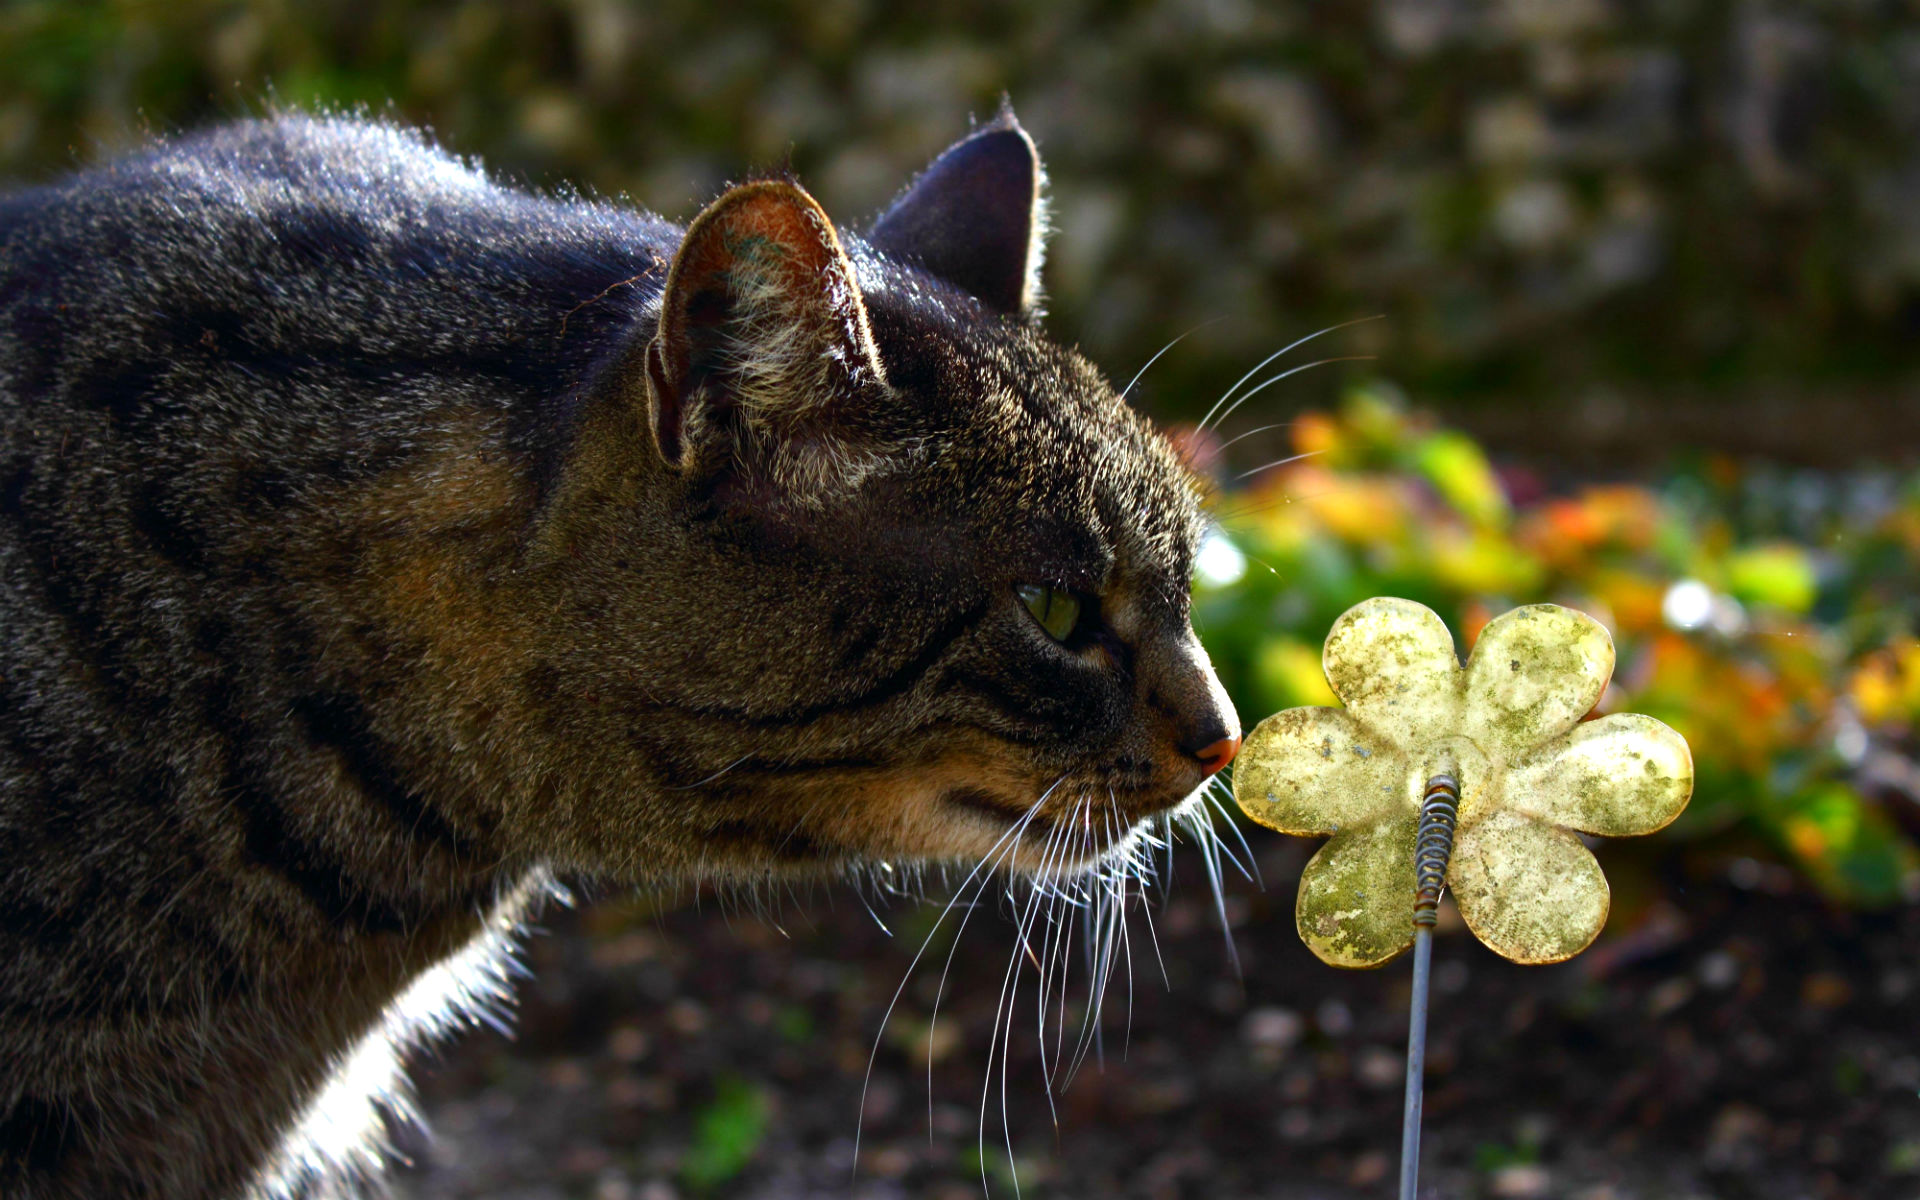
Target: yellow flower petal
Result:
[[1312, 770], [1355, 907], [1393, 663], [1534, 673], [1531, 892], [1621, 775]]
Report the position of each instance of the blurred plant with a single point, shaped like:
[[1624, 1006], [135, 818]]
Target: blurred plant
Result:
[[726, 1134], [1771, 623]]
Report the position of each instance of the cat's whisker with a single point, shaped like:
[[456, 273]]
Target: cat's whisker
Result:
[[1126, 941], [1108, 934], [1278, 462], [1059, 901], [1205, 824], [709, 779], [1223, 447], [1170, 345], [1073, 915], [1046, 902], [1280, 353], [1268, 382], [1031, 956], [1212, 793], [1060, 919], [1210, 860], [1001, 1036], [1227, 517], [939, 991], [1001, 849], [876, 916], [1230, 516], [1090, 952], [946, 968]]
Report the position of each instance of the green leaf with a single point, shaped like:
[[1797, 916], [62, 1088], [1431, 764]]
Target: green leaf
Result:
[[1848, 847], [726, 1133], [1780, 576], [1457, 468], [1289, 675]]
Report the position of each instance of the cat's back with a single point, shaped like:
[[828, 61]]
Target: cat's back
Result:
[[207, 345], [304, 239]]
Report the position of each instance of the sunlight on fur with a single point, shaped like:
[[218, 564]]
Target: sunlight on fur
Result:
[[343, 1140]]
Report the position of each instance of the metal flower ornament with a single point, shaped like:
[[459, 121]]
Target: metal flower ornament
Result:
[[1473, 778]]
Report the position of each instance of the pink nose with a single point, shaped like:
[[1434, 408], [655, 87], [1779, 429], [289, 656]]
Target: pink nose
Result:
[[1219, 754]]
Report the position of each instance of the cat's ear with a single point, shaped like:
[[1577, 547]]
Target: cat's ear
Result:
[[976, 218], [763, 354]]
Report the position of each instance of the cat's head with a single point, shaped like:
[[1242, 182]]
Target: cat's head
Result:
[[905, 578]]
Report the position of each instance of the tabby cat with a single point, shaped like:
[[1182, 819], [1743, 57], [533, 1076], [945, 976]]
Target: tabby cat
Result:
[[378, 543]]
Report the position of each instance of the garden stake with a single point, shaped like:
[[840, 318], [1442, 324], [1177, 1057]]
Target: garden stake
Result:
[[1431, 852], [1494, 755]]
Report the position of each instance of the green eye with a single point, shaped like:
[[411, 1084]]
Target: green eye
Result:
[[1057, 609]]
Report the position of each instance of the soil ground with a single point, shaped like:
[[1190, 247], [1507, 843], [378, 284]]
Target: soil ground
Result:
[[1732, 1037]]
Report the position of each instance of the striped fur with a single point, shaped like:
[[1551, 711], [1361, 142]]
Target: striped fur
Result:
[[378, 543]]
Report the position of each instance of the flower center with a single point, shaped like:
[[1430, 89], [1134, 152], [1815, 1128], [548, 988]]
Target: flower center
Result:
[[1478, 773]]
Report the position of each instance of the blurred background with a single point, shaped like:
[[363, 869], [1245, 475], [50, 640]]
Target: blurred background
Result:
[[1646, 276]]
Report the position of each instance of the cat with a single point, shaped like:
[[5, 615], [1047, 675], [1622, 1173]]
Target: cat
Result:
[[379, 543]]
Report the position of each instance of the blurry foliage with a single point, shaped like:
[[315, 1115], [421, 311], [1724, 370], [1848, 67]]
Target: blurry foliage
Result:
[[726, 1134], [1575, 199], [1769, 618]]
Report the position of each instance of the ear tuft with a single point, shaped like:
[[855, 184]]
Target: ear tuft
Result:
[[762, 334], [976, 218]]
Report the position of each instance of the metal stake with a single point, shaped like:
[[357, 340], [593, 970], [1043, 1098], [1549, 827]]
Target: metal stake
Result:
[[1433, 847]]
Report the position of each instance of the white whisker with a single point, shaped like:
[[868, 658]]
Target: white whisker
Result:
[[1001, 1037], [1278, 462], [1009, 840], [709, 779], [1209, 842], [1262, 364], [1223, 447], [1268, 382], [1251, 871], [1156, 357]]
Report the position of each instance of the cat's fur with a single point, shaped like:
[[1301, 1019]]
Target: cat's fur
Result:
[[376, 540]]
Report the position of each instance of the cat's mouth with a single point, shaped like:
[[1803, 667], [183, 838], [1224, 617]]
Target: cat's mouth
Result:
[[1072, 824], [972, 807]]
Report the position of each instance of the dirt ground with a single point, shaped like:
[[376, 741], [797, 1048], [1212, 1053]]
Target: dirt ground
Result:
[[1731, 1038]]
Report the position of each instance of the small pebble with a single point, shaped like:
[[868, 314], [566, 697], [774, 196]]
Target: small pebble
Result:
[[1370, 1168], [1381, 1069], [1334, 1018], [1272, 1028], [628, 1044], [1669, 996], [1718, 971], [1521, 1181], [1825, 990], [1296, 1124]]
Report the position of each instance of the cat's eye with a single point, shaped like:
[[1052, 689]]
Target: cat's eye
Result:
[[1057, 609]]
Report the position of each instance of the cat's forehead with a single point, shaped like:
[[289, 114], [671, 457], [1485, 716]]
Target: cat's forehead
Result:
[[1028, 433]]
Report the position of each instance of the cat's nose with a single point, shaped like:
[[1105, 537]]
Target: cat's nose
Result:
[[1217, 754], [1211, 733], [1201, 724]]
